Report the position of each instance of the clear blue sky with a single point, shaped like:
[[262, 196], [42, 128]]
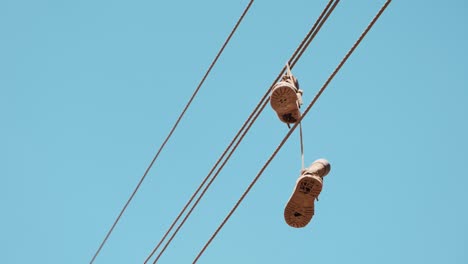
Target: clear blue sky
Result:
[[89, 90]]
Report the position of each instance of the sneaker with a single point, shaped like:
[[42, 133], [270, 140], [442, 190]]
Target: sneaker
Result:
[[300, 207], [285, 100]]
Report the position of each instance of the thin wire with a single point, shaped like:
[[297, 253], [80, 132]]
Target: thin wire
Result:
[[294, 127], [311, 35], [316, 31], [172, 130], [305, 42]]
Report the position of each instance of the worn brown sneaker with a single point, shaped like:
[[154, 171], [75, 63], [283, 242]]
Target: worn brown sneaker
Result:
[[300, 208], [285, 100]]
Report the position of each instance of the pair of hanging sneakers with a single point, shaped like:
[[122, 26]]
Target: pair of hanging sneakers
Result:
[[286, 99]]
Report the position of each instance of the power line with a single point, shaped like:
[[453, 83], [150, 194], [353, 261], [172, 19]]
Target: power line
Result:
[[261, 105], [343, 61], [293, 59], [171, 131]]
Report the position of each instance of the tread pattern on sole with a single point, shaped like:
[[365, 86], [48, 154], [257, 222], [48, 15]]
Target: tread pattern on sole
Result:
[[283, 100], [300, 208]]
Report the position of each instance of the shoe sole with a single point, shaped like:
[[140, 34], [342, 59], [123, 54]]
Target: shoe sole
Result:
[[300, 207], [283, 100]]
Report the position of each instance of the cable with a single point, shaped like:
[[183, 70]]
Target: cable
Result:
[[171, 131], [262, 107], [314, 33], [294, 127], [305, 42]]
